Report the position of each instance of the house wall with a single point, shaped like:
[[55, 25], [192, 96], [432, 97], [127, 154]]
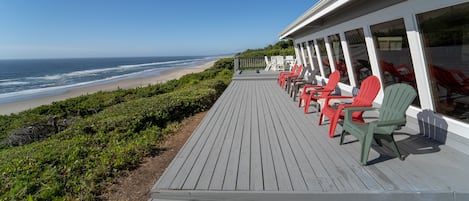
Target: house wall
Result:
[[363, 14]]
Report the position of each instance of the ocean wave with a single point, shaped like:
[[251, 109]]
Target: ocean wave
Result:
[[5, 97], [83, 73], [12, 83]]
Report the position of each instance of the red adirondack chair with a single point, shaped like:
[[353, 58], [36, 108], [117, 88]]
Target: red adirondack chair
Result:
[[402, 72], [368, 91], [454, 81], [282, 74], [318, 92], [295, 74]]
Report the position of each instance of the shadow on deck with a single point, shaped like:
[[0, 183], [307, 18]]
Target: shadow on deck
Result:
[[256, 144]]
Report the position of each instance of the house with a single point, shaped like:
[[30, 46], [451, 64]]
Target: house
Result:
[[419, 42]]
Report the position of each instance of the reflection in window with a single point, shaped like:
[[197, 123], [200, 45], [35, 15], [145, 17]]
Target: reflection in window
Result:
[[393, 54], [359, 54], [339, 60], [323, 54], [445, 34], [314, 56]]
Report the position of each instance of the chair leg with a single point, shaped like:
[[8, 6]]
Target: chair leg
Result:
[[378, 141], [320, 119], [342, 135], [395, 148], [333, 124], [366, 146], [295, 94], [307, 101]]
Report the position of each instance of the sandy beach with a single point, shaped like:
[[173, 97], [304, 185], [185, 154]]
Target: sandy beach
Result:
[[15, 107]]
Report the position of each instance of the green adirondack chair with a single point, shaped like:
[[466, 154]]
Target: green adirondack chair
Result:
[[397, 98]]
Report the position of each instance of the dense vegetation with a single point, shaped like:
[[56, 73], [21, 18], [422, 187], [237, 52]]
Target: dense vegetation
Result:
[[283, 48], [96, 137]]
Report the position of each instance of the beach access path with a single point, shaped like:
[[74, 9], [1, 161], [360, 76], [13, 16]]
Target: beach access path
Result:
[[256, 144], [15, 107]]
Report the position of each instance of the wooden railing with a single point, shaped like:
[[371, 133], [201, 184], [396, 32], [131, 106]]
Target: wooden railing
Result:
[[249, 63], [277, 63]]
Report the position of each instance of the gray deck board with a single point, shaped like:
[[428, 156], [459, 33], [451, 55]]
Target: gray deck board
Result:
[[255, 143]]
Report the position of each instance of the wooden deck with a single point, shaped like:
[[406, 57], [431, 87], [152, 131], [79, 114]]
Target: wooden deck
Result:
[[256, 144]]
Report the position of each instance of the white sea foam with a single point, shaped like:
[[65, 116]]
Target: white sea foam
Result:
[[7, 97], [11, 83], [84, 73], [48, 85]]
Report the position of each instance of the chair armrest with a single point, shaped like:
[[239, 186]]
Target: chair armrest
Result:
[[310, 86], [351, 109], [397, 122], [328, 98]]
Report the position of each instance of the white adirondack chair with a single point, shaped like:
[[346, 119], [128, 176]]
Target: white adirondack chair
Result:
[[280, 63], [290, 60], [268, 64]]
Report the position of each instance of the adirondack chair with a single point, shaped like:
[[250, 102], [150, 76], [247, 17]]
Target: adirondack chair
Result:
[[454, 81], [397, 98], [294, 75], [368, 91], [292, 80], [282, 75], [308, 80], [402, 72], [268, 64], [318, 92], [280, 64]]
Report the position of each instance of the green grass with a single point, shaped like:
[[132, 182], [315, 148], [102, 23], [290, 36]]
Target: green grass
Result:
[[110, 134]]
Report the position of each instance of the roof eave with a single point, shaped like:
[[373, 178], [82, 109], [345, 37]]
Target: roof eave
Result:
[[319, 10]]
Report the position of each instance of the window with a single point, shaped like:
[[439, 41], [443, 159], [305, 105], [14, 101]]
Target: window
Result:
[[338, 56], [393, 54], [445, 35], [323, 54], [359, 54]]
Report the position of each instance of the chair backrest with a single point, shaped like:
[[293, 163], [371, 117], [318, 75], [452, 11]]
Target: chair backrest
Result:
[[333, 80], [267, 62], [280, 62], [298, 70], [368, 91], [307, 68], [397, 98], [293, 69], [366, 95], [332, 83], [312, 76]]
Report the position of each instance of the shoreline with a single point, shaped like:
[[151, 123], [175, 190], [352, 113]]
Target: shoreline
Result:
[[19, 106]]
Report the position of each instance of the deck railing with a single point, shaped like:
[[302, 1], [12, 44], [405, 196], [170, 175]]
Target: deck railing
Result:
[[277, 63], [249, 63]]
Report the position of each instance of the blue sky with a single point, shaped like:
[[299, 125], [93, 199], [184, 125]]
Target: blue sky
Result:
[[118, 28]]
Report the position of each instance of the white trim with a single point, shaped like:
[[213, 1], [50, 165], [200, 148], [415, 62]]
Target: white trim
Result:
[[418, 60], [308, 49], [303, 57], [329, 54], [318, 55], [348, 60]]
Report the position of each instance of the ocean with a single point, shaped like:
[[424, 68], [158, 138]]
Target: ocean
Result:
[[32, 78]]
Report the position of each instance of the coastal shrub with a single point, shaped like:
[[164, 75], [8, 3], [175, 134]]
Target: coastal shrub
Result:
[[68, 110], [225, 63], [77, 162], [283, 48]]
